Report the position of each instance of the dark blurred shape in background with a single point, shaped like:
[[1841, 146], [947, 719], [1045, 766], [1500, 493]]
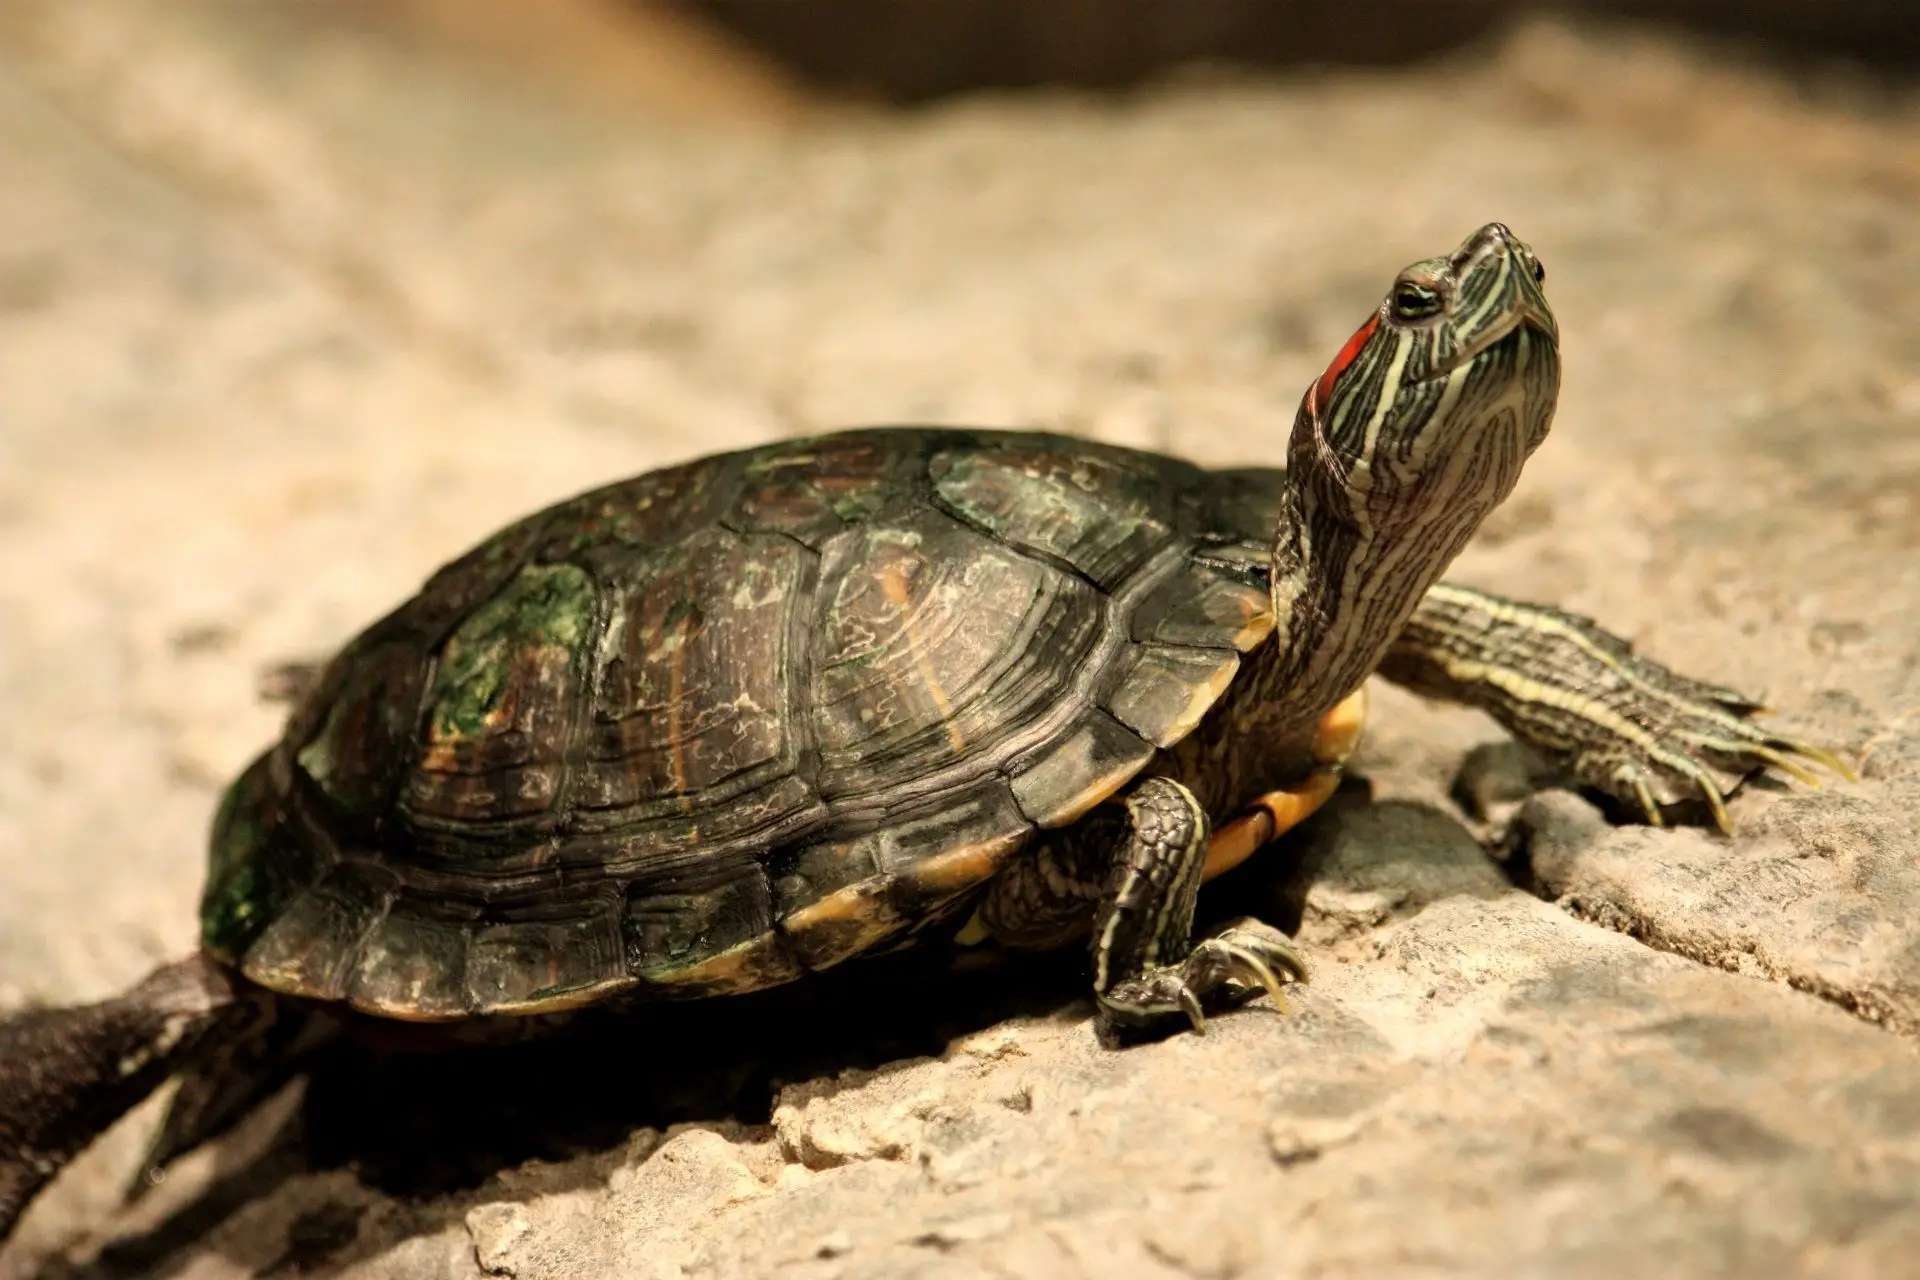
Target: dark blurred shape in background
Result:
[[1885, 32], [913, 50]]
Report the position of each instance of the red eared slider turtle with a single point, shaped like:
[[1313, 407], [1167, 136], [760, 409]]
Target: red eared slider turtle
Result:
[[727, 724]]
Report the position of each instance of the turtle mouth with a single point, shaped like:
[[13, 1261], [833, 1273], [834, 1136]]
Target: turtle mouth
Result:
[[1523, 316]]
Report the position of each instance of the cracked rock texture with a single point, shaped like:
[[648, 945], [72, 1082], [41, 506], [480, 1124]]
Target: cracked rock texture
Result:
[[297, 301]]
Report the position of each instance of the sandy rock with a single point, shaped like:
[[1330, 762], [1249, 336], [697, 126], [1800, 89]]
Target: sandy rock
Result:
[[1792, 903], [292, 310]]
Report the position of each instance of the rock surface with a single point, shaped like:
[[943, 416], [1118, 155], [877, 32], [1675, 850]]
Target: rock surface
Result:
[[292, 308]]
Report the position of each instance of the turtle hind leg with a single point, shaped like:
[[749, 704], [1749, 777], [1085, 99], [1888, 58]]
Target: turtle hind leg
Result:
[[223, 1084], [1146, 964], [67, 1074]]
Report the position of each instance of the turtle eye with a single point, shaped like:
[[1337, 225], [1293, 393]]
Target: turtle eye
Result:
[[1415, 301], [1539, 270]]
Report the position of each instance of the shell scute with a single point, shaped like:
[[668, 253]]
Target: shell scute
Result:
[[354, 733], [358, 752], [412, 964], [256, 866], [1164, 691], [762, 816], [695, 675], [1092, 510], [499, 711], [908, 864], [1239, 504], [839, 898], [812, 489], [935, 643], [931, 860], [607, 526], [311, 945], [1202, 607], [707, 931], [545, 964], [1072, 775]]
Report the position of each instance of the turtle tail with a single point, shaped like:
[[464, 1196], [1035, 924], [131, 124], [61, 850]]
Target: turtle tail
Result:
[[67, 1074]]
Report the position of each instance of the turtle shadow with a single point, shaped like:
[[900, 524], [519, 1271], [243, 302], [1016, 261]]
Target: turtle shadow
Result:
[[425, 1132], [1382, 860], [431, 1124]]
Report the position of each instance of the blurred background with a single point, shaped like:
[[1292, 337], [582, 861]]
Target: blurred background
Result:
[[908, 50], [905, 51]]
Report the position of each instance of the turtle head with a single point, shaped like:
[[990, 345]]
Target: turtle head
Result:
[[1426, 415], [1413, 434]]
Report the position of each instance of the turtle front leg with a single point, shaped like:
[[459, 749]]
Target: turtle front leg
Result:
[[1146, 965], [1582, 699], [1129, 875]]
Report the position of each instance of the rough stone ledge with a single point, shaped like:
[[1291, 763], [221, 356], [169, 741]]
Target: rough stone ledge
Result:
[[1796, 901]]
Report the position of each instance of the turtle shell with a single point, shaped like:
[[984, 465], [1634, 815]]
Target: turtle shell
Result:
[[723, 724]]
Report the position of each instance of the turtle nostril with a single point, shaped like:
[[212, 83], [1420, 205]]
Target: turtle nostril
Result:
[[1494, 240]]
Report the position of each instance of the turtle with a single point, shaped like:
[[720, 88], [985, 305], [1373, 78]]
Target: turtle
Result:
[[728, 724]]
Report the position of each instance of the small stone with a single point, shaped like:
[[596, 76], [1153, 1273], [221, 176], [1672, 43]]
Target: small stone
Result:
[[1299, 1139], [992, 1044], [1496, 778], [710, 1159], [498, 1230]]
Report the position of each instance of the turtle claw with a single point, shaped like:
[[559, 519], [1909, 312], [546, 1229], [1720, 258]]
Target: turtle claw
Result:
[[1826, 759], [1789, 755], [1697, 750], [1644, 794], [1190, 1005], [1786, 764], [1717, 803], [1251, 954], [1245, 956]]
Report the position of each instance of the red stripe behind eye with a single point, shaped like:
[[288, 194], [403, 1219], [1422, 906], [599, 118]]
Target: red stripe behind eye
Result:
[[1323, 389]]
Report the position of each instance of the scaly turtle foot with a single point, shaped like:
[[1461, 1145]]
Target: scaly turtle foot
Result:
[[1242, 959], [1601, 714], [1707, 752], [1652, 738]]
